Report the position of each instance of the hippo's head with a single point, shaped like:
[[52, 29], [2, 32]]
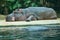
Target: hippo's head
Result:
[[9, 18], [15, 15]]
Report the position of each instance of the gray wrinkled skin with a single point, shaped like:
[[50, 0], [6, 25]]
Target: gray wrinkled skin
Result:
[[32, 13], [9, 17]]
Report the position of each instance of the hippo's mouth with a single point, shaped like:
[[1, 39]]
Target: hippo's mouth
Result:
[[13, 18], [9, 19]]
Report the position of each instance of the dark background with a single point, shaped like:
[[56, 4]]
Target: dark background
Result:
[[7, 6]]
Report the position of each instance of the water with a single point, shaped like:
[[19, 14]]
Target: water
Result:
[[31, 33]]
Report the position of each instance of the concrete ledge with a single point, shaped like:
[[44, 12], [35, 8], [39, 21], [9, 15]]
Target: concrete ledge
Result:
[[3, 23]]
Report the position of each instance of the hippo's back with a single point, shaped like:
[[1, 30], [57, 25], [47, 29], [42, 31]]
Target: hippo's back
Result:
[[37, 9]]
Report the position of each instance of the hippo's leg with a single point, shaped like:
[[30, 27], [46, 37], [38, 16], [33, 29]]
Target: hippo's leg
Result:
[[31, 18]]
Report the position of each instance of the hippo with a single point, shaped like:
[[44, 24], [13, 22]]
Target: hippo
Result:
[[32, 14]]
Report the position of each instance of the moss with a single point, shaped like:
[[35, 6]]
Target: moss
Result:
[[2, 17]]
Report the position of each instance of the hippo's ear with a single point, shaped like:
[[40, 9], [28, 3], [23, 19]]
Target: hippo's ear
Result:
[[20, 10]]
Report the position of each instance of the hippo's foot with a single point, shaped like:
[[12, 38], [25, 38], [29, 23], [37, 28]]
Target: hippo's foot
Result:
[[31, 18], [28, 20]]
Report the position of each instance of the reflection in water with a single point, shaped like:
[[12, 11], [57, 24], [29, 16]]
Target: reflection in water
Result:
[[36, 28], [31, 33]]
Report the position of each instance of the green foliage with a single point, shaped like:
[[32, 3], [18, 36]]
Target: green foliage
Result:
[[33, 4], [10, 0], [10, 5]]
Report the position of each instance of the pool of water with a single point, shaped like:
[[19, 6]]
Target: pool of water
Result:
[[30, 33]]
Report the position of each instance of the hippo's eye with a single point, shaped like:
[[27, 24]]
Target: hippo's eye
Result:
[[22, 13], [15, 12]]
